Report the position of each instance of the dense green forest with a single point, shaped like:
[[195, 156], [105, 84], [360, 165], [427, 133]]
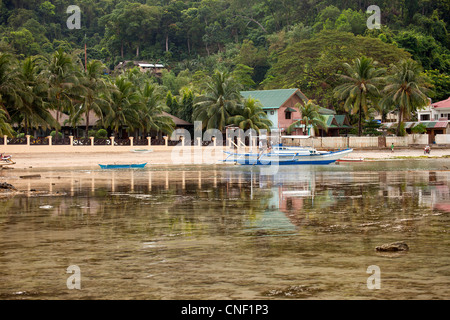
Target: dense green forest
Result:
[[260, 44]]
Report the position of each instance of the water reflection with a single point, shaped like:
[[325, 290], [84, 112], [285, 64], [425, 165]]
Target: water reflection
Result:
[[214, 232], [291, 193]]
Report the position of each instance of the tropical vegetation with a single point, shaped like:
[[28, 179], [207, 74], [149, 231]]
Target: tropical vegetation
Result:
[[212, 49]]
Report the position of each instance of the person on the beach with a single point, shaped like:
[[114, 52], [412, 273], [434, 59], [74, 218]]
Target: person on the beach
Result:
[[262, 147], [392, 148]]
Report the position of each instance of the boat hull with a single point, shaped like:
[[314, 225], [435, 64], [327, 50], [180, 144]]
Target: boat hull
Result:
[[271, 159], [123, 166]]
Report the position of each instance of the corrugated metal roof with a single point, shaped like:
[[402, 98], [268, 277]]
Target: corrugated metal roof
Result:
[[326, 111], [427, 124], [340, 119], [409, 125], [329, 119], [442, 104], [430, 125], [441, 124], [273, 99], [336, 121]]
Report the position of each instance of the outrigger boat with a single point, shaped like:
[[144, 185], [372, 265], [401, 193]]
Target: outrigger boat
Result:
[[123, 166], [283, 155], [287, 156]]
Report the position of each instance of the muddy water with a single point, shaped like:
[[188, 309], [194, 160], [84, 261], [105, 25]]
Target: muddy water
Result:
[[228, 232]]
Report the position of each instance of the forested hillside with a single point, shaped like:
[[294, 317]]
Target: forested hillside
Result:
[[261, 43]]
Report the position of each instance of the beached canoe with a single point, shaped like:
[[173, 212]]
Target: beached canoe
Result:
[[350, 160], [123, 166]]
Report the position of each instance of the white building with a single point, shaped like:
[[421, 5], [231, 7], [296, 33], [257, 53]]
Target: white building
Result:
[[438, 111]]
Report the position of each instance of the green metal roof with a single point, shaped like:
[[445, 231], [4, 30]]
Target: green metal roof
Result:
[[329, 120], [290, 110], [336, 121], [273, 99], [326, 111], [340, 119]]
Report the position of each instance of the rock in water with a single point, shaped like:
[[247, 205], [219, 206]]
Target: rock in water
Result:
[[392, 247], [7, 186]]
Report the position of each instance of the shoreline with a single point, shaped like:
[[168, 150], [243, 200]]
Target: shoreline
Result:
[[186, 156]]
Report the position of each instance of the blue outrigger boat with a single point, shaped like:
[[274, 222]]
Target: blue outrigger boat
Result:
[[123, 166], [287, 156]]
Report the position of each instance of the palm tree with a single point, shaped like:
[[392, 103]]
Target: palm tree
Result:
[[360, 87], [5, 127], [91, 98], [187, 105], [33, 111], [12, 91], [405, 90], [125, 104], [63, 80], [251, 116], [151, 111], [214, 107], [310, 117]]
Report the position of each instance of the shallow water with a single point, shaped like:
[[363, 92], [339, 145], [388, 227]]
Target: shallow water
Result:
[[219, 232]]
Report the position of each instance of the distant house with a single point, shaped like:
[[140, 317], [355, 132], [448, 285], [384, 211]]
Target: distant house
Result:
[[143, 66], [68, 129], [436, 117], [438, 111], [279, 105], [337, 125], [433, 128]]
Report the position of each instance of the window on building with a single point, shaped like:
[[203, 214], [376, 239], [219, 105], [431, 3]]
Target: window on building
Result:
[[288, 115], [424, 117], [436, 117]]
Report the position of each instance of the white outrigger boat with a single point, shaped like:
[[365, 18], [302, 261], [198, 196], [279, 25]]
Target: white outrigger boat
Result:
[[283, 155]]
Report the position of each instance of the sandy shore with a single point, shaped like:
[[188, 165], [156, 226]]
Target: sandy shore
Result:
[[181, 157]]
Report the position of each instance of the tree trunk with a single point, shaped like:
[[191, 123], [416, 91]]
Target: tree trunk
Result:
[[167, 42], [189, 45], [360, 122], [400, 120], [87, 124], [57, 122], [121, 48]]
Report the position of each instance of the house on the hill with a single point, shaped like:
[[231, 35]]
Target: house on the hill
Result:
[[154, 68]]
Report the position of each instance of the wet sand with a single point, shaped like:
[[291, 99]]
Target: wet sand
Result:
[[179, 156]]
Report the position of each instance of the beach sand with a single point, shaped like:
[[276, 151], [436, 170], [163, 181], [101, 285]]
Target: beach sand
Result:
[[178, 156]]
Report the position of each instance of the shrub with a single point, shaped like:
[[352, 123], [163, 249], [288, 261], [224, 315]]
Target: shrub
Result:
[[101, 134], [419, 129], [53, 134]]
